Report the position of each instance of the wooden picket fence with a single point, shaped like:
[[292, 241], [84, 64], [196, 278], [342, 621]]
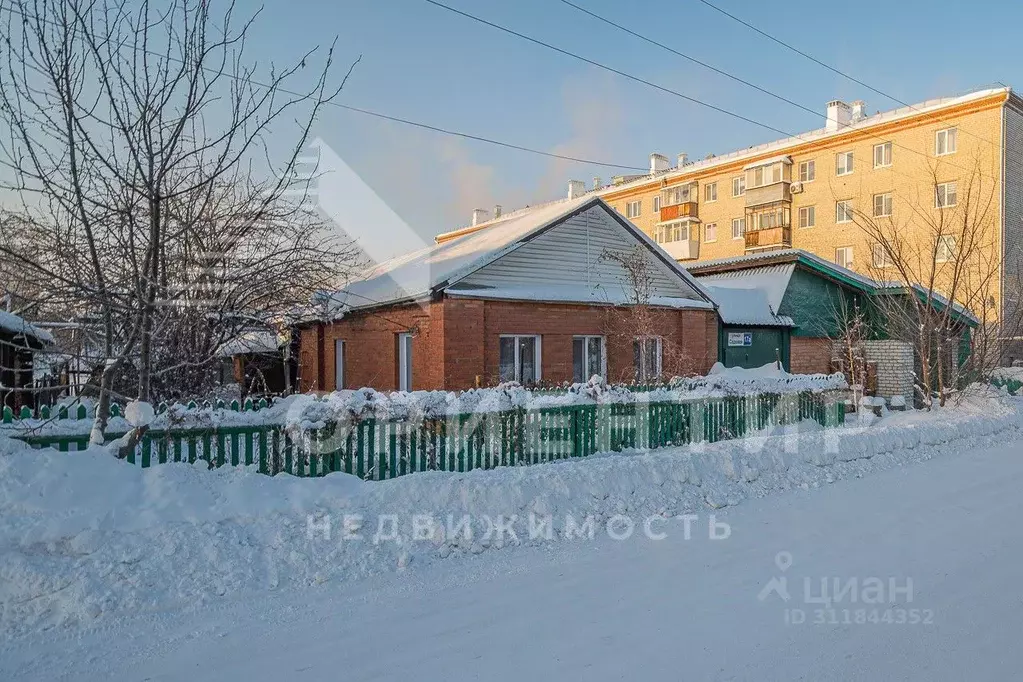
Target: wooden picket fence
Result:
[[377, 449], [79, 411], [1013, 386]]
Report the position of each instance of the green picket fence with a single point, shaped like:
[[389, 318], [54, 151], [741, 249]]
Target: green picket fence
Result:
[[379, 449], [79, 411], [1012, 385]]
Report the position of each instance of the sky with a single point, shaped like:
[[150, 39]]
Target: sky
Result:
[[424, 63]]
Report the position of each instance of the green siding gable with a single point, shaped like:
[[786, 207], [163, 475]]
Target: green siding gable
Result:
[[815, 304]]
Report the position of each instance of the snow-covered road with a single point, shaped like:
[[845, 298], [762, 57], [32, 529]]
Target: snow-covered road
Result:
[[639, 609]]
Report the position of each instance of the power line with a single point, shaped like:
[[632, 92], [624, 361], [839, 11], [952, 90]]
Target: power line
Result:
[[366, 112]]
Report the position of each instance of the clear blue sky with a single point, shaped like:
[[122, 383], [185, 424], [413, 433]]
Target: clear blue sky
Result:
[[427, 64]]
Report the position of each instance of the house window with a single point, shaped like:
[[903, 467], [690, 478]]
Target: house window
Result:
[[883, 205], [807, 171], [945, 141], [882, 155], [807, 216], [946, 249], [738, 228], [843, 212], [739, 186], [945, 195], [588, 358], [339, 364], [844, 163], [764, 175], [633, 208], [404, 362], [710, 232], [710, 192], [844, 256], [657, 204], [881, 257], [646, 355], [519, 359]]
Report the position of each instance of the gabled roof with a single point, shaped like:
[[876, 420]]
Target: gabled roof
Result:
[[747, 305], [17, 325], [421, 274]]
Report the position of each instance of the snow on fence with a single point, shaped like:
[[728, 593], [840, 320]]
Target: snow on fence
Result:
[[378, 448]]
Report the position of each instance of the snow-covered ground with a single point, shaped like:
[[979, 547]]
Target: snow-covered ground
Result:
[[109, 571]]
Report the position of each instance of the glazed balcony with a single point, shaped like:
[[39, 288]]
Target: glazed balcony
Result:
[[686, 209]]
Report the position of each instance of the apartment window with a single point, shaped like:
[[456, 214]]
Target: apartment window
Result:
[[883, 205], [945, 141], [739, 186], [710, 232], [588, 358], [807, 216], [946, 249], [881, 257], [710, 192], [738, 228], [844, 163], [633, 208], [672, 232], [519, 358], [843, 212], [339, 364], [646, 356], [945, 195], [882, 155], [404, 362], [807, 171], [844, 256], [657, 204]]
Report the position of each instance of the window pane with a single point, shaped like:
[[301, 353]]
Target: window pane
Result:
[[527, 359], [578, 360], [594, 353], [637, 358], [507, 358], [406, 370]]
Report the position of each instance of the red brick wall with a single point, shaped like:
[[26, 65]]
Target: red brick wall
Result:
[[809, 355], [458, 342]]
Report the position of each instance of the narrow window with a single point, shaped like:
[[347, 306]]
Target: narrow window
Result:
[[710, 192], [588, 358], [339, 364], [844, 163], [738, 228], [739, 186], [710, 232], [404, 362], [807, 171], [646, 353]]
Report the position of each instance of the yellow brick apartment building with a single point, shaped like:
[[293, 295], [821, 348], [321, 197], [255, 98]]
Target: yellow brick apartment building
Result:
[[803, 192]]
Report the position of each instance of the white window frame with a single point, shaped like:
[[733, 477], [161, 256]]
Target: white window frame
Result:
[[657, 204], [944, 136], [886, 151], [710, 192], [848, 261], [708, 230], [741, 222], [405, 360], [810, 213], [880, 256], [339, 364], [846, 209], [642, 361], [739, 186], [807, 170], [946, 250], [537, 354], [634, 209], [886, 205], [845, 168], [585, 338], [941, 194]]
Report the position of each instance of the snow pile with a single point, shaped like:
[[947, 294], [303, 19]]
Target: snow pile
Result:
[[14, 323], [84, 536]]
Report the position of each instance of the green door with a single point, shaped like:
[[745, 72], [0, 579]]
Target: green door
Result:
[[752, 347]]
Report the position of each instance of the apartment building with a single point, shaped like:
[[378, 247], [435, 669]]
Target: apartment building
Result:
[[807, 191]]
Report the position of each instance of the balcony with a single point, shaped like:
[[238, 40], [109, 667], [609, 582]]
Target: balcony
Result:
[[683, 249], [769, 238], [686, 209], [768, 194]]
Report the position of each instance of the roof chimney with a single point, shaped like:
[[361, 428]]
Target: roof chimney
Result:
[[597, 183], [658, 163], [683, 159], [839, 115], [497, 211], [576, 188], [859, 110], [479, 216]]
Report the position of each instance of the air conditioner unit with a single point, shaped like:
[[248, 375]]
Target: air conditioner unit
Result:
[[796, 187]]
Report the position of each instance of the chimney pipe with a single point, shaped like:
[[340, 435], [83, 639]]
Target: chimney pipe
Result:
[[479, 216], [497, 211], [859, 110], [683, 159], [658, 163], [839, 115], [597, 183], [576, 188]]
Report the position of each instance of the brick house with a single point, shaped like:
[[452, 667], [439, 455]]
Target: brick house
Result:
[[542, 295]]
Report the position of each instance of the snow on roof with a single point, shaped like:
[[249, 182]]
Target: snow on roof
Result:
[[580, 293], [786, 255], [811, 136], [747, 305], [783, 158], [13, 323], [253, 341], [772, 280]]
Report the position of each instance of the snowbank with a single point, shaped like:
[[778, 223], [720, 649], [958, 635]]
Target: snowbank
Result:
[[84, 536]]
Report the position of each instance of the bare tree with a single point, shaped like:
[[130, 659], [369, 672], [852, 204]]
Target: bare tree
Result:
[[147, 157]]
